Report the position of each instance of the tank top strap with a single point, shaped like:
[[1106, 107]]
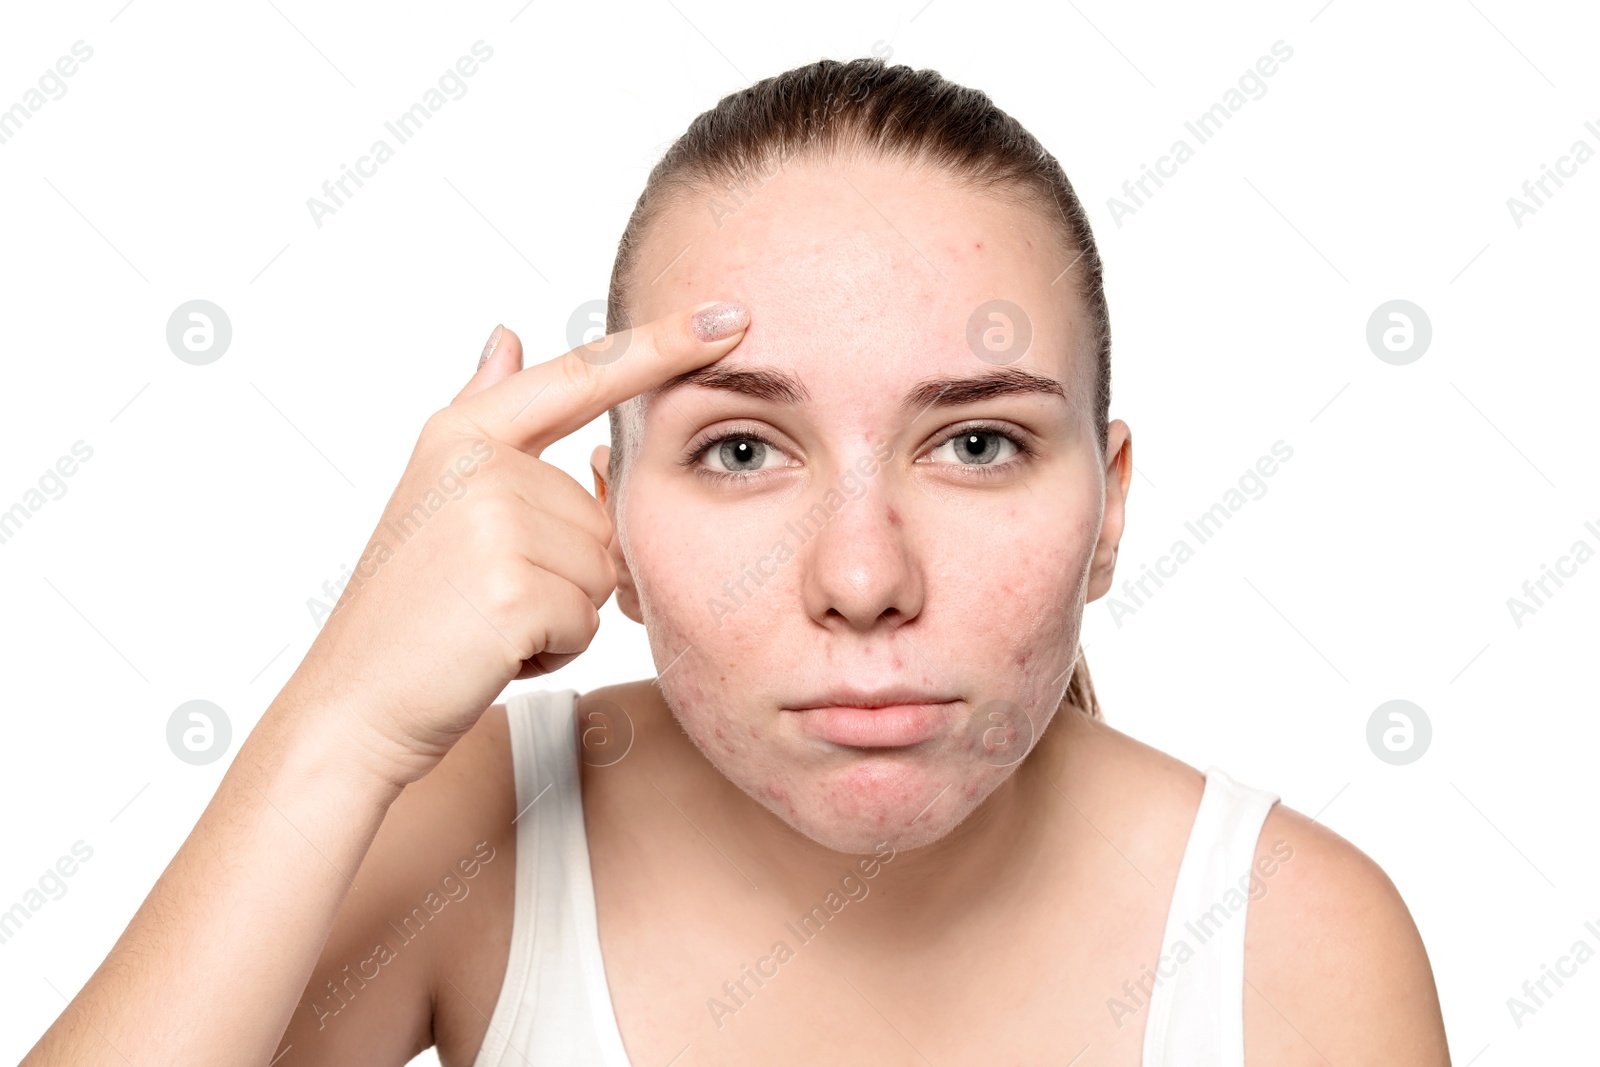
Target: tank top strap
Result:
[[1197, 1002], [554, 1004]]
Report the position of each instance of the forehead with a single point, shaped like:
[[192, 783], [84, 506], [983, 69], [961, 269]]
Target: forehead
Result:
[[872, 269]]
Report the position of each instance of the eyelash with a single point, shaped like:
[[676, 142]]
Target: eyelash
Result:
[[692, 457], [695, 453]]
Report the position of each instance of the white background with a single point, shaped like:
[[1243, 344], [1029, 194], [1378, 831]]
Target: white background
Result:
[[1377, 566]]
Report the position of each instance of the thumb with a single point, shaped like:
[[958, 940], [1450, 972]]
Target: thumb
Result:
[[501, 358]]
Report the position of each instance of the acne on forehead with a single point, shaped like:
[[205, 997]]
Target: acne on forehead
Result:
[[817, 262]]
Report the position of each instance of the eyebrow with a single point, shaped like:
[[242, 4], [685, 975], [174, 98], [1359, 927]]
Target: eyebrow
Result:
[[781, 387]]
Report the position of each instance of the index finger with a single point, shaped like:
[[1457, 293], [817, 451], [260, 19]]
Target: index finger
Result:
[[539, 405]]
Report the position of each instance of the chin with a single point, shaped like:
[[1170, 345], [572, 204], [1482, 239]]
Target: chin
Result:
[[860, 839], [876, 800]]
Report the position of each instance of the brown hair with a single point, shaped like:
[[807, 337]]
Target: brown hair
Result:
[[867, 108]]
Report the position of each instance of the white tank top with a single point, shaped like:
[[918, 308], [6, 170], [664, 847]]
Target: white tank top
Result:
[[555, 1007]]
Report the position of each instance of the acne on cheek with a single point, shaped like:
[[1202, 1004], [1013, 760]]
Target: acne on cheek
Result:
[[778, 796], [722, 729]]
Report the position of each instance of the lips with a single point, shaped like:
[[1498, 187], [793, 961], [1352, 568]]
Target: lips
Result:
[[884, 726], [842, 696]]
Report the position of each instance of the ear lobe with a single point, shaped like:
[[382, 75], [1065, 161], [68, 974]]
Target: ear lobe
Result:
[[1119, 477], [627, 594]]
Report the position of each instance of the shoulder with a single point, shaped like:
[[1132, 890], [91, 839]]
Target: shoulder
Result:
[[1335, 970]]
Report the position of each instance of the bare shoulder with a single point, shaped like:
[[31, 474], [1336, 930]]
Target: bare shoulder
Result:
[[1335, 970], [429, 887]]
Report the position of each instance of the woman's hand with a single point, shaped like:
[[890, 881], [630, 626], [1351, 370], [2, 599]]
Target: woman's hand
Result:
[[502, 564], [488, 564]]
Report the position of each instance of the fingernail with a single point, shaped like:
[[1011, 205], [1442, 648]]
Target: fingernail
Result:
[[488, 349], [719, 320]]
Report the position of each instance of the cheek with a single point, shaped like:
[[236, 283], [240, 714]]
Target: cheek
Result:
[[1032, 572], [676, 571], [721, 587], [1027, 612], [671, 563]]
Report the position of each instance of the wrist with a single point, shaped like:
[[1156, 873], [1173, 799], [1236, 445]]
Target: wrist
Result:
[[324, 742]]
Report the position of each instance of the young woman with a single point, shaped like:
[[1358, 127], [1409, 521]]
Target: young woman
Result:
[[861, 485]]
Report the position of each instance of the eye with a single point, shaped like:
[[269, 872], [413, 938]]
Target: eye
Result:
[[976, 448], [740, 453]]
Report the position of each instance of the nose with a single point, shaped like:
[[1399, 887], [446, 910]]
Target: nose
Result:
[[861, 568]]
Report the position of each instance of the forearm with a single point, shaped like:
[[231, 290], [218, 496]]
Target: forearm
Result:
[[212, 964]]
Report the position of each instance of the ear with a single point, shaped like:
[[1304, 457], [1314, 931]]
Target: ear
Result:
[[1119, 479], [627, 595]]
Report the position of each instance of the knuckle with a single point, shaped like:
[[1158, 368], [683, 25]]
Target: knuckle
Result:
[[599, 576], [506, 590], [494, 517], [592, 519], [434, 426], [591, 623], [581, 379]]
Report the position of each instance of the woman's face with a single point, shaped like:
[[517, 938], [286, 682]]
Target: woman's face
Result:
[[858, 530]]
